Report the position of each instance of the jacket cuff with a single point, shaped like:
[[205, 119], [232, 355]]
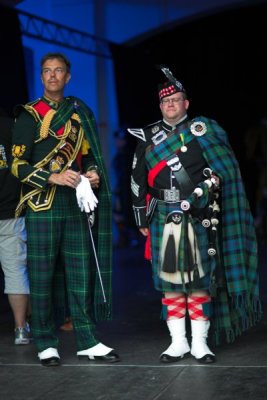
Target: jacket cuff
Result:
[[38, 178], [140, 216]]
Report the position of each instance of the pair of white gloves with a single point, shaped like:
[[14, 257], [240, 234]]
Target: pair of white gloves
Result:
[[86, 199]]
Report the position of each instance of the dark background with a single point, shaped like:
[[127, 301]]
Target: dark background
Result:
[[13, 84], [220, 59]]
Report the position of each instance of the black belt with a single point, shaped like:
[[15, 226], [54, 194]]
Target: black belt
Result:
[[168, 195]]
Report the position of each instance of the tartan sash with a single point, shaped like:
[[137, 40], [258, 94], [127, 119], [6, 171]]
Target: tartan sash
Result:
[[172, 144], [102, 229]]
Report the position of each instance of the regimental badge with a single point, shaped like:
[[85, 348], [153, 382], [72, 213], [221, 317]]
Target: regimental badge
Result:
[[18, 150], [198, 128], [73, 136], [176, 218], [159, 137], [155, 129], [73, 133], [55, 165]]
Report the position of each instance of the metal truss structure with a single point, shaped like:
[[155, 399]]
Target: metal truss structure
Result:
[[52, 32]]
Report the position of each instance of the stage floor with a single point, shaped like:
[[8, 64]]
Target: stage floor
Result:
[[139, 336]]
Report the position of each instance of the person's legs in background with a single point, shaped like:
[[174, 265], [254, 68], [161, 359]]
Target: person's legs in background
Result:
[[19, 305], [13, 256]]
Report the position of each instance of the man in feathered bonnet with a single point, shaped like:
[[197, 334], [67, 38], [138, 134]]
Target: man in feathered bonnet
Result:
[[189, 201]]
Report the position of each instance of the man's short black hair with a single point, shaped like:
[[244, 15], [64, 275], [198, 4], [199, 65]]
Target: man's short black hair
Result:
[[60, 56]]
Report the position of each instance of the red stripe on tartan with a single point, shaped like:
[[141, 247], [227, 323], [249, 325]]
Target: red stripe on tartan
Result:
[[148, 254], [151, 177], [155, 171]]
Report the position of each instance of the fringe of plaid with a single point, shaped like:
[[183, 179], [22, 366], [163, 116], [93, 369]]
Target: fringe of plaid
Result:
[[233, 316], [239, 308]]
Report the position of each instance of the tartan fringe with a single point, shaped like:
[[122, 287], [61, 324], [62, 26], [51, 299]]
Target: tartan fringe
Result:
[[246, 312], [249, 309], [228, 335]]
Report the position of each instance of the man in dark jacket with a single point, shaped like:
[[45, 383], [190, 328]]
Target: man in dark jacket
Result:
[[189, 201], [13, 250]]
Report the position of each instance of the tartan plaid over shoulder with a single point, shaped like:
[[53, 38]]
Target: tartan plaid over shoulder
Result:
[[239, 244], [102, 311]]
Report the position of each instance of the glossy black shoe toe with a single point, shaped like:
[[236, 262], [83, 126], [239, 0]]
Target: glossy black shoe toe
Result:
[[165, 358], [50, 362], [207, 359], [110, 357]]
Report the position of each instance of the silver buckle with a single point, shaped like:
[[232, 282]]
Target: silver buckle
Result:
[[171, 195], [174, 164]]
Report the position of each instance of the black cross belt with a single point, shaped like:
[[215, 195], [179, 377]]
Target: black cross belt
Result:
[[185, 183]]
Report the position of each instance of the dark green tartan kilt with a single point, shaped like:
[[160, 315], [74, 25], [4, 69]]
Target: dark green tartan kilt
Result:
[[156, 231], [58, 238], [224, 314]]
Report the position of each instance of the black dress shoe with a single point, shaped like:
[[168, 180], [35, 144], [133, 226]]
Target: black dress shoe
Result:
[[111, 357], [165, 358], [207, 359], [51, 362]]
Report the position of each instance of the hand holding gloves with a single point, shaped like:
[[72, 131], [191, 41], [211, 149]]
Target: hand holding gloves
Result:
[[86, 199]]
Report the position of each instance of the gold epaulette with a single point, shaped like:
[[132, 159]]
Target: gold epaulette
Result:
[[46, 123]]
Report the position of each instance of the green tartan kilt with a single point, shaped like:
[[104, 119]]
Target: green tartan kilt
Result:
[[156, 230], [227, 317], [59, 248]]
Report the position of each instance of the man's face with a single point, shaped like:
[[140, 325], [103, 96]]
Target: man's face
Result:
[[174, 107], [54, 76]]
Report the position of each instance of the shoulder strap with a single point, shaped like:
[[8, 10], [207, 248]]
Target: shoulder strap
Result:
[[185, 183]]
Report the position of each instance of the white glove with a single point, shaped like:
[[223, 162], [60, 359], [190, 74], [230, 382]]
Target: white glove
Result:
[[85, 196]]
